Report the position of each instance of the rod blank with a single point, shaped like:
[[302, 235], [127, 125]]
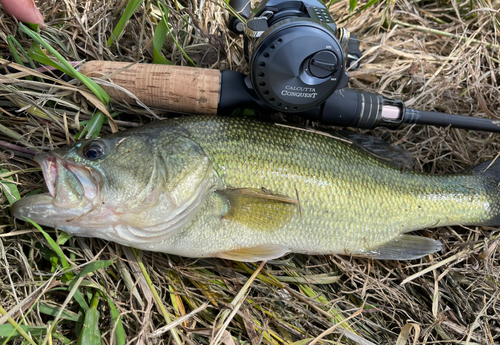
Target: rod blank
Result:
[[458, 121]]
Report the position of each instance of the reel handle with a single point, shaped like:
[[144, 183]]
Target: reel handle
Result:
[[242, 7]]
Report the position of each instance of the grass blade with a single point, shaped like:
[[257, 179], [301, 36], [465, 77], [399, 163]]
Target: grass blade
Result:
[[13, 135], [17, 327], [93, 127], [9, 188], [117, 323], [91, 335], [54, 310], [11, 42], [165, 11], [8, 331], [157, 298], [352, 5], [238, 300], [364, 7], [68, 69], [127, 14], [38, 55], [78, 296], [93, 266], [158, 41], [63, 238], [55, 247], [311, 279]]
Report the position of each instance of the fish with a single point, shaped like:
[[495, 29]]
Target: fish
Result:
[[244, 190]]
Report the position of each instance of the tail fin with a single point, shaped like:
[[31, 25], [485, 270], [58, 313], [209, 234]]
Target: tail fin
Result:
[[489, 173]]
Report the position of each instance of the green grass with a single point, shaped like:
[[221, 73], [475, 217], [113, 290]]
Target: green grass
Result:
[[127, 14], [71, 289]]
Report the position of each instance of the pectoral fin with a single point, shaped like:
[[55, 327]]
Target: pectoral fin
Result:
[[406, 247], [258, 209], [259, 253]]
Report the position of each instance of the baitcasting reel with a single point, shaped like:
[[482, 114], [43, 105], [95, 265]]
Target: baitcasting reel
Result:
[[298, 60], [296, 54]]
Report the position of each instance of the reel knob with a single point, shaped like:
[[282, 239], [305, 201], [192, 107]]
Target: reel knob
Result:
[[323, 64]]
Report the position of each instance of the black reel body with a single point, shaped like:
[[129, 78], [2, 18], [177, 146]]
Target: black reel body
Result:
[[296, 54]]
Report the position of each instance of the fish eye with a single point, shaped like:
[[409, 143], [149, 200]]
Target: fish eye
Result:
[[93, 151]]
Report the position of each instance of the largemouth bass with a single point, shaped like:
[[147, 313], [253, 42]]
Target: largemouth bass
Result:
[[248, 191]]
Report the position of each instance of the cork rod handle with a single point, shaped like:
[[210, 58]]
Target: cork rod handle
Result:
[[175, 88]]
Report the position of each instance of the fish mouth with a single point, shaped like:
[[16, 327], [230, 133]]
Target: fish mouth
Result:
[[73, 192], [69, 184]]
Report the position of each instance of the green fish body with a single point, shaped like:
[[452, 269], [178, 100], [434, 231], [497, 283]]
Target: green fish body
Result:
[[246, 190]]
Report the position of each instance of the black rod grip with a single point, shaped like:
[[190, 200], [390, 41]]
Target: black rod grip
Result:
[[351, 108], [235, 92]]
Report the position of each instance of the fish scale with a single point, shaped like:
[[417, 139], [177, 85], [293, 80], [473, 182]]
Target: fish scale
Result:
[[260, 190]]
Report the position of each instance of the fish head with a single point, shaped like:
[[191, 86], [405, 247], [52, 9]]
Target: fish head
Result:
[[129, 187]]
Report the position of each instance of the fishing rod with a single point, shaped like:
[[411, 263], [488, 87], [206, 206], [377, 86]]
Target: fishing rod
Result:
[[298, 62], [206, 91]]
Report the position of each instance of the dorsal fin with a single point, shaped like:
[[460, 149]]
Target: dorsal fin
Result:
[[392, 154], [380, 148]]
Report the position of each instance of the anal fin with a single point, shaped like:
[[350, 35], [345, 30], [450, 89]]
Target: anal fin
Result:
[[405, 247], [259, 253]]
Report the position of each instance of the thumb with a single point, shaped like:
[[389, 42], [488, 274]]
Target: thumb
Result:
[[23, 10]]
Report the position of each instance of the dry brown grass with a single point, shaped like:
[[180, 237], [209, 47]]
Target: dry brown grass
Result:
[[450, 297]]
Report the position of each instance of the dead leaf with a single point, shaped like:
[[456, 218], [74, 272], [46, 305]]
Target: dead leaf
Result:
[[249, 325], [226, 338], [405, 334], [482, 103], [97, 102]]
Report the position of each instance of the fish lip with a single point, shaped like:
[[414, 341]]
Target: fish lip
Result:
[[49, 169], [30, 201], [91, 180], [20, 209]]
